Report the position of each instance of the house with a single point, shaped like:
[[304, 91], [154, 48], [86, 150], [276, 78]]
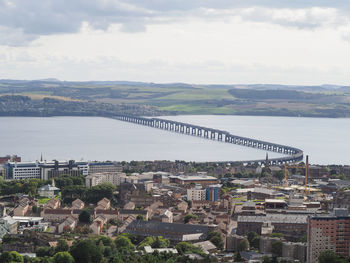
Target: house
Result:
[[78, 204], [56, 215], [163, 215], [123, 214], [48, 191], [182, 206], [109, 214], [206, 246], [8, 226], [96, 227], [129, 206], [70, 223], [22, 207], [54, 203], [101, 219], [104, 204]]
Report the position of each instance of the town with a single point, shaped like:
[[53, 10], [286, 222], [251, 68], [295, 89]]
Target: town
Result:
[[163, 211]]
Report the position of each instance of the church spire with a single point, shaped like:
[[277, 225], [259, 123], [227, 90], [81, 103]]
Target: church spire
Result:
[[267, 162]]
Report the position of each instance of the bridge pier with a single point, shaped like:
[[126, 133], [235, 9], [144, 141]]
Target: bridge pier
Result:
[[219, 136], [194, 131]]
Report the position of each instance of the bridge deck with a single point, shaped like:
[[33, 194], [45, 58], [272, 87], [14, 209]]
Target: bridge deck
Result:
[[292, 154]]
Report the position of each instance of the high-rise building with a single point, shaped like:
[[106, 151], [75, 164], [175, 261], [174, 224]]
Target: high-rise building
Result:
[[212, 192], [196, 194], [329, 232]]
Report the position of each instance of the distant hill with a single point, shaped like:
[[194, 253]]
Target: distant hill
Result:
[[180, 98]]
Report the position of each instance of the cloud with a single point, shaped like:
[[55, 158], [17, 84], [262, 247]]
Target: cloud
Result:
[[24, 21]]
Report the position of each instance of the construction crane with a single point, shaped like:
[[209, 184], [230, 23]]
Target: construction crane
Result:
[[298, 166]]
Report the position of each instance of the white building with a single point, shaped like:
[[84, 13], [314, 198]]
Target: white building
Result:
[[44, 170], [196, 194], [99, 178], [48, 191], [23, 170]]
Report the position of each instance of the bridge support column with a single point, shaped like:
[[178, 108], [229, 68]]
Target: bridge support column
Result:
[[194, 130], [219, 136], [182, 128], [212, 135], [206, 134], [199, 132]]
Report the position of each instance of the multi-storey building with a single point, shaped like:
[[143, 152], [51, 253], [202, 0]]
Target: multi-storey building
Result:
[[196, 194], [291, 226], [44, 170], [99, 178], [55, 169], [330, 232], [14, 170], [202, 179], [212, 192], [104, 167]]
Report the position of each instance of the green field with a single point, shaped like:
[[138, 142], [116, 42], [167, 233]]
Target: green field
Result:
[[178, 98]]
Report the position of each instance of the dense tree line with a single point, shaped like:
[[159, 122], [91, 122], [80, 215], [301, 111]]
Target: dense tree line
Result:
[[104, 249], [17, 105]]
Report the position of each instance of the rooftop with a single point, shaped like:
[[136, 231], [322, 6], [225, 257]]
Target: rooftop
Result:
[[275, 218]]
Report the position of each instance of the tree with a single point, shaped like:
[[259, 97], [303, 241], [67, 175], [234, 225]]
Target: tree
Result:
[[6, 257], [243, 245], [330, 256], [45, 251], [139, 217], [238, 257], [216, 239], [84, 216], [63, 257], [16, 257], [189, 217], [98, 192], [124, 243], [62, 246], [303, 239], [86, 251], [185, 247], [277, 248], [155, 242], [253, 239], [35, 209]]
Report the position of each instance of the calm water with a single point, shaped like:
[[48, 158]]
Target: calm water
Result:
[[89, 138]]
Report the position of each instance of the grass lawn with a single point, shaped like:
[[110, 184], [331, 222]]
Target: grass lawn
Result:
[[43, 200]]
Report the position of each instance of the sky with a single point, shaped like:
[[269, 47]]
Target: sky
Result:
[[299, 42]]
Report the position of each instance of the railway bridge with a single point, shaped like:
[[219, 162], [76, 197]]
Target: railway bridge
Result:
[[291, 154]]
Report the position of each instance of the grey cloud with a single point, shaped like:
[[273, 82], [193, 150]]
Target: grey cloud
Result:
[[23, 21]]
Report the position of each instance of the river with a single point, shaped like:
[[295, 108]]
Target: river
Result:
[[326, 141]]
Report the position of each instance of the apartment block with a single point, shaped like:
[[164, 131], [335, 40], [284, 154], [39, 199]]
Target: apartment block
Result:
[[329, 232]]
